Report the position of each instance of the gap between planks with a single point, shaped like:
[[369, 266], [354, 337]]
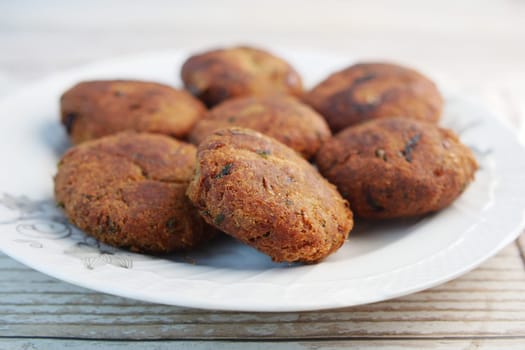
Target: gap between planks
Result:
[[335, 330], [479, 343]]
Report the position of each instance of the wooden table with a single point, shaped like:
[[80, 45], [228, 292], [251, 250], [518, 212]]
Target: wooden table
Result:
[[478, 48]]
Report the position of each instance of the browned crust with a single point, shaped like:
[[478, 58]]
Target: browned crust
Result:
[[281, 117], [264, 194], [217, 75], [128, 190], [93, 109], [375, 90], [397, 167]]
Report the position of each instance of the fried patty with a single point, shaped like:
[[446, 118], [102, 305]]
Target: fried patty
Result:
[[368, 91], [281, 117], [264, 194], [128, 190], [93, 109], [397, 167], [217, 75]]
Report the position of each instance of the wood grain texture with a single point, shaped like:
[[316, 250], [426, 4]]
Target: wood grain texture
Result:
[[363, 344]]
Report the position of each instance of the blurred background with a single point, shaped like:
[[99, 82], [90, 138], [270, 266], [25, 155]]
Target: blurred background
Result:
[[474, 45]]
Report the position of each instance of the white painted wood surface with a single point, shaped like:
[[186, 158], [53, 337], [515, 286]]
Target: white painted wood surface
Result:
[[478, 47]]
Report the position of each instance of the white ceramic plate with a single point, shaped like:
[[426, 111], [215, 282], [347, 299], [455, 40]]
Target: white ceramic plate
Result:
[[378, 262]]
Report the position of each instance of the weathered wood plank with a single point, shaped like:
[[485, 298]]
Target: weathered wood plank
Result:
[[419, 301], [138, 308], [363, 344], [291, 330], [318, 318]]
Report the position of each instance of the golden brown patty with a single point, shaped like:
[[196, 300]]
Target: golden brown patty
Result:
[[94, 109], [128, 190], [264, 194], [281, 117], [396, 167], [375, 90], [215, 76]]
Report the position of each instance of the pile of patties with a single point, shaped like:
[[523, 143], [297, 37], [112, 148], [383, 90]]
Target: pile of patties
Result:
[[156, 169]]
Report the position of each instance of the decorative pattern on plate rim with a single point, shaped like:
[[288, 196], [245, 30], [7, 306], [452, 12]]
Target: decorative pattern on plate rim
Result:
[[38, 221]]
